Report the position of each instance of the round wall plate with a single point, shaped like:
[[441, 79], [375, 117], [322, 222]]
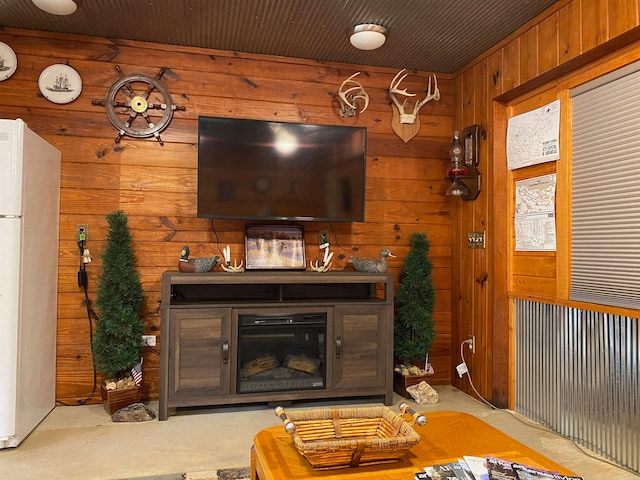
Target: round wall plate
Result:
[[8, 61], [60, 83]]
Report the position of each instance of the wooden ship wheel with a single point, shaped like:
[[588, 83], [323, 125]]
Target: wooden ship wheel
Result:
[[136, 95]]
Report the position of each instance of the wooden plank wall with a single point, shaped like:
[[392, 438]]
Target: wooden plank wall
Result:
[[560, 41], [156, 185]]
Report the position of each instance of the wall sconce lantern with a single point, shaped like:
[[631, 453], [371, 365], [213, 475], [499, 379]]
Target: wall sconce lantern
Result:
[[466, 181]]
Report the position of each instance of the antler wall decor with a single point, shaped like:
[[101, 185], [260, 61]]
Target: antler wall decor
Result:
[[406, 125], [353, 97]]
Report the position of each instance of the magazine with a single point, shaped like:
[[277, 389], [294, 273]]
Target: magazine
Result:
[[478, 466], [466, 469], [457, 470], [500, 469], [472, 467], [443, 471], [524, 472]]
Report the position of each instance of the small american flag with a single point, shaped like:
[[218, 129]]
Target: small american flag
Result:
[[136, 373]]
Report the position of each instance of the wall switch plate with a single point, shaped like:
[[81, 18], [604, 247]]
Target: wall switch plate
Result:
[[149, 340], [476, 239]]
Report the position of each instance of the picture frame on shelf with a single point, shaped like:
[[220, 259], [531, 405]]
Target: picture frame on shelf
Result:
[[274, 247]]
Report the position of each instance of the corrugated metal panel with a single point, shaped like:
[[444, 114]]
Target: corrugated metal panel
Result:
[[426, 35], [577, 373]]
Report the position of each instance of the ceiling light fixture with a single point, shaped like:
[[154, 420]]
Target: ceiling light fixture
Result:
[[57, 7], [368, 36]]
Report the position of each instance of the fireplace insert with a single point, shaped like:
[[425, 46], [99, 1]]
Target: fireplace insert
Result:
[[281, 352]]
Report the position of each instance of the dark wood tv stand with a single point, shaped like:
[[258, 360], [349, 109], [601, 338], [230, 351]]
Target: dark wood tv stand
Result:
[[199, 333]]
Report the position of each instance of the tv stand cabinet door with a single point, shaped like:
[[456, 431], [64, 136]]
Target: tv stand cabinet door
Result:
[[359, 346], [199, 365]]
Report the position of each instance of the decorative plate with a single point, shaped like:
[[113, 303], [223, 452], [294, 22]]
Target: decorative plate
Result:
[[60, 83], [8, 61]]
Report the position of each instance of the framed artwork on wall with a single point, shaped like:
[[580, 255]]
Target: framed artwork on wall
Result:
[[274, 247]]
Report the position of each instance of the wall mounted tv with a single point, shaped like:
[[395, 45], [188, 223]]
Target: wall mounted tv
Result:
[[263, 170]]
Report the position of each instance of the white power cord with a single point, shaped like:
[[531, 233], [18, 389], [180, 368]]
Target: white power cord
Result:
[[462, 369]]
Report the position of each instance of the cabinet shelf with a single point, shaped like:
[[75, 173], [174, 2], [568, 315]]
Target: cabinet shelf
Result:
[[256, 291]]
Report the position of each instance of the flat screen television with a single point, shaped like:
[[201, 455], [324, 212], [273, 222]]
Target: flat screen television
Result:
[[264, 170]]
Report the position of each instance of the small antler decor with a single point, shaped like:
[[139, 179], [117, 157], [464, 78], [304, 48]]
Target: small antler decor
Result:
[[226, 265], [325, 266], [407, 125], [352, 98]]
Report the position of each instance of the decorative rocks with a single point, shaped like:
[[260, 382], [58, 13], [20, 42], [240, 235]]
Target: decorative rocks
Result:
[[137, 412], [423, 393]]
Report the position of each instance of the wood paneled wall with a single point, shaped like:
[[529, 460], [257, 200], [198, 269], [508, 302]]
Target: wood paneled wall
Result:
[[156, 185], [517, 75]]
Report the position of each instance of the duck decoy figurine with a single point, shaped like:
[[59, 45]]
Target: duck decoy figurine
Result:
[[197, 265], [371, 264]]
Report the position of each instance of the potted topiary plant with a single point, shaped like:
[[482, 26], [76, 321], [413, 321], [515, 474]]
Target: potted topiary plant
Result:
[[117, 342], [414, 328]]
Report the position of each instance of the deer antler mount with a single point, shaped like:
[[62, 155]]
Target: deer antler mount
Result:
[[352, 97], [405, 121]]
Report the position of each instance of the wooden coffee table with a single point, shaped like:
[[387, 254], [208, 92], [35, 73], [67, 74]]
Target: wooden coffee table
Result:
[[446, 437]]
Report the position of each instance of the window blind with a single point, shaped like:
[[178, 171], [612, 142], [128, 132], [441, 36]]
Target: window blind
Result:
[[605, 199]]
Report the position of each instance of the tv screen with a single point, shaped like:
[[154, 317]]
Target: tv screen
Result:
[[262, 170]]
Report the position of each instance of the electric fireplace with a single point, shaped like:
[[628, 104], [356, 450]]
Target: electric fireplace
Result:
[[281, 352]]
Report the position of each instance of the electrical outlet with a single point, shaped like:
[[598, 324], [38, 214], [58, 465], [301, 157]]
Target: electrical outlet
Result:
[[323, 238], [462, 369], [82, 229], [471, 339], [149, 340]]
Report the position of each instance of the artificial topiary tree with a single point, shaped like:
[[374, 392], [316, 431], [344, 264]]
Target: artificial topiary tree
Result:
[[117, 343], [414, 329]]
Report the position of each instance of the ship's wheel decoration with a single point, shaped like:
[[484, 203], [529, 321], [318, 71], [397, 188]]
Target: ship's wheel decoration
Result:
[[136, 95]]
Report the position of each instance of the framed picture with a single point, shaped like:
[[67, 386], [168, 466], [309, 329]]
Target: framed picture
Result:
[[274, 247]]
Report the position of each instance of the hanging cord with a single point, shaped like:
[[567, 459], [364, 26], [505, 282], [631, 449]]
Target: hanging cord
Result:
[[582, 449], [471, 381], [213, 229], [91, 315], [348, 254]]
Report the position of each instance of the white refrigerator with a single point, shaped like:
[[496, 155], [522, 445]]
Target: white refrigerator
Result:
[[29, 219]]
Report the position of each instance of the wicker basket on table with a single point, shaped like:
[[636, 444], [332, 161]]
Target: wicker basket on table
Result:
[[350, 437]]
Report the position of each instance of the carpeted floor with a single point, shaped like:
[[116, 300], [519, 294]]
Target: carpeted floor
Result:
[[222, 474]]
